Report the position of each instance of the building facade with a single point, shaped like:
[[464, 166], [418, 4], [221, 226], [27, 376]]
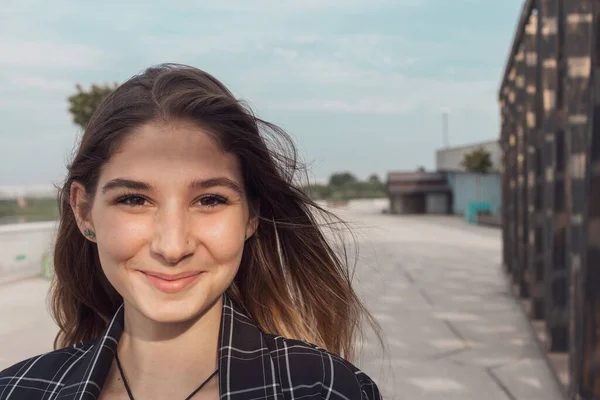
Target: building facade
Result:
[[469, 188], [418, 192]]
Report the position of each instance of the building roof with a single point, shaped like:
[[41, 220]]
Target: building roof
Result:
[[416, 182], [414, 176]]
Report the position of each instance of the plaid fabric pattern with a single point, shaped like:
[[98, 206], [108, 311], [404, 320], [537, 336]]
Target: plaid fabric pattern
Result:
[[252, 365]]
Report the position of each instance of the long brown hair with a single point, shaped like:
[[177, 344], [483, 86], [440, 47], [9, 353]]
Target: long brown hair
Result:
[[291, 281]]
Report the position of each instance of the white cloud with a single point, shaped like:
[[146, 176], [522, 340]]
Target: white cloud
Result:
[[285, 54], [26, 105], [399, 95], [377, 50], [321, 70], [367, 76], [21, 53], [46, 84], [20, 6], [276, 6], [361, 106], [380, 50], [178, 46]]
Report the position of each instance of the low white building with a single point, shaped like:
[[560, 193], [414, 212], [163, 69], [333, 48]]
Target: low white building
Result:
[[450, 159]]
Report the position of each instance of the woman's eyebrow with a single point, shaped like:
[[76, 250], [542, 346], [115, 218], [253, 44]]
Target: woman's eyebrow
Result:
[[219, 181], [124, 183]]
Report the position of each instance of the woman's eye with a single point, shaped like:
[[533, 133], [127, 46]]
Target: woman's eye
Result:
[[139, 201], [132, 201], [212, 201]]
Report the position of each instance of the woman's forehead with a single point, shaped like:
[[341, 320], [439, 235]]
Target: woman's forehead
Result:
[[175, 151]]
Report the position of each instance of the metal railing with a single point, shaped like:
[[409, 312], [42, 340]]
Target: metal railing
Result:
[[550, 138]]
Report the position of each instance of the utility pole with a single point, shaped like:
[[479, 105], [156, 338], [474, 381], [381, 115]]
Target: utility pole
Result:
[[445, 134]]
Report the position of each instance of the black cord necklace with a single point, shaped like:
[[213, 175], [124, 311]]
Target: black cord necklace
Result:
[[187, 398]]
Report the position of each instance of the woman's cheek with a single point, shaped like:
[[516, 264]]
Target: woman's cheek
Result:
[[222, 235], [121, 237]]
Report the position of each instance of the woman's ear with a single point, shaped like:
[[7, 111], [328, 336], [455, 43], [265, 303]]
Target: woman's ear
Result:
[[252, 225], [80, 204]]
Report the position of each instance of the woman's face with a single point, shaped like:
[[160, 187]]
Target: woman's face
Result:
[[170, 217]]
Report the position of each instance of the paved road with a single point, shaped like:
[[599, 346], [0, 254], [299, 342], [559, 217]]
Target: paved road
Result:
[[453, 331], [435, 285]]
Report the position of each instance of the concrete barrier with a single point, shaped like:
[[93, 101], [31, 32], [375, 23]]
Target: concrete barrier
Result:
[[25, 249], [361, 205]]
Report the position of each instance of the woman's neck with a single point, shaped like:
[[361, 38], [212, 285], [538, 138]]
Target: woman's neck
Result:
[[169, 360]]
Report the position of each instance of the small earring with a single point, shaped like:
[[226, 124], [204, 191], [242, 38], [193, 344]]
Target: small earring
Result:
[[89, 233]]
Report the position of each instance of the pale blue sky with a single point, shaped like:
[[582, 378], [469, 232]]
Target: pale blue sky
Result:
[[358, 83]]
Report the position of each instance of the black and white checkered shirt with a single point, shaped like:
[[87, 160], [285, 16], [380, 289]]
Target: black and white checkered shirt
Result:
[[252, 365]]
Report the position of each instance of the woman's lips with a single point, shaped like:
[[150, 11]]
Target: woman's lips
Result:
[[171, 283]]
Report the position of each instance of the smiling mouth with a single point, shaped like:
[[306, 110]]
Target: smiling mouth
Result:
[[171, 283]]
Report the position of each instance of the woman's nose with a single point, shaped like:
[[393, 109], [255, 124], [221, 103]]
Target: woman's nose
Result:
[[171, 237]]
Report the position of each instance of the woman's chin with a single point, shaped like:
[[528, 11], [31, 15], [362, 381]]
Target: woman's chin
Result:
[[165, 310]]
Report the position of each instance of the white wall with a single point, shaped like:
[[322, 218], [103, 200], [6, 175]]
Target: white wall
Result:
[[450, 159], [23, 248], [362, 205]]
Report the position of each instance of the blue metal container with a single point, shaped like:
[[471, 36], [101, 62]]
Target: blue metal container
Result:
[[468, 188]]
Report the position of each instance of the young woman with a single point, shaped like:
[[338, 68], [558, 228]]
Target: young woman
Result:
[[187, 264]]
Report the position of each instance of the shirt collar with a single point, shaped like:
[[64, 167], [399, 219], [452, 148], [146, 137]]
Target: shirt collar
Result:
[[237, 334]]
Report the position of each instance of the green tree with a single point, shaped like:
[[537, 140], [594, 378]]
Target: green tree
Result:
[[345, 186], [479, 161], [317, 192], [374, 187], [84, 103], [374, 180], [340, 179]]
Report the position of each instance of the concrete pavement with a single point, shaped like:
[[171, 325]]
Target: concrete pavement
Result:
[[453, 330], [26, 328], [436, 287]]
